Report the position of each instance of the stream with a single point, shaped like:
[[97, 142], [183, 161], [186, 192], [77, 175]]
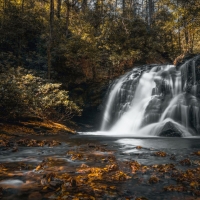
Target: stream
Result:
[[21, 178]]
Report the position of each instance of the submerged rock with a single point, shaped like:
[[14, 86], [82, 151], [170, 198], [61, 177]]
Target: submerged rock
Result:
[[170, 130]]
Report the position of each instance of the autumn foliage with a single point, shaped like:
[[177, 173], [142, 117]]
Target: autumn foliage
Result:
[[24, 95]]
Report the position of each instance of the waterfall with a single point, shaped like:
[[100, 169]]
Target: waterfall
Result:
[[157, 100], [138, 105]]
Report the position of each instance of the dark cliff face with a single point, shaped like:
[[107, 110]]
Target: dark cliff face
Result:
[[190, 71], [189, 65]]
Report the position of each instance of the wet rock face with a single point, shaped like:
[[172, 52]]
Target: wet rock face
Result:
[[153, 110], [190, 74], [161, 96], [189, 103], [180, 60]]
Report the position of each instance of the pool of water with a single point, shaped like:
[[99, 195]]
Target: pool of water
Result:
[[21, 181]]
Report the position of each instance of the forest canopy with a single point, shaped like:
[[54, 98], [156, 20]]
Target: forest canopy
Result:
[[77, 36]]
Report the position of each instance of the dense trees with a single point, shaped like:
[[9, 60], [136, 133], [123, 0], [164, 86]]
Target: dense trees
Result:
[[108, 28], [86, 40]]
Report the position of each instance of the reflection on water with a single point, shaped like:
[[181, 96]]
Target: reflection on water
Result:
[[14, 182], [160, 143], [146, 142]]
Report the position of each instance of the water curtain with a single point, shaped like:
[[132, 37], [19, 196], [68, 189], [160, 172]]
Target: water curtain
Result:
[[157, 100]]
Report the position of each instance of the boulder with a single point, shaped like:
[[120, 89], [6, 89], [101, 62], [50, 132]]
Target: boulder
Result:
[[170, 130], [153, 110]]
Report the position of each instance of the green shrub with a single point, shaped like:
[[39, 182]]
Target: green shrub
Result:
[[23, 94]]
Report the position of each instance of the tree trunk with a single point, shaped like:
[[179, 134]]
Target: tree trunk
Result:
[[51, 18], [23, 5], [4, 2], [134, 8], [186, 34], [172, 42], [51, 27], [147, 13], [84, 5], [67, 17], [179, 31], [142, 8], [49, 60], [116, 3], [192, 42], [123, 7], [150, 13], [58, 8], [130, 9], [97, 5]]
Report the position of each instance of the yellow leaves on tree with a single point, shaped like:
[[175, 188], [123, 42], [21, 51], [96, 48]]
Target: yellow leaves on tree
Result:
[[24, 94]]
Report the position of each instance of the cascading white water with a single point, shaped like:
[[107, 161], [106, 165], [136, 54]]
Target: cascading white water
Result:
[[138, 105], [154, 100], [116, 87]]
